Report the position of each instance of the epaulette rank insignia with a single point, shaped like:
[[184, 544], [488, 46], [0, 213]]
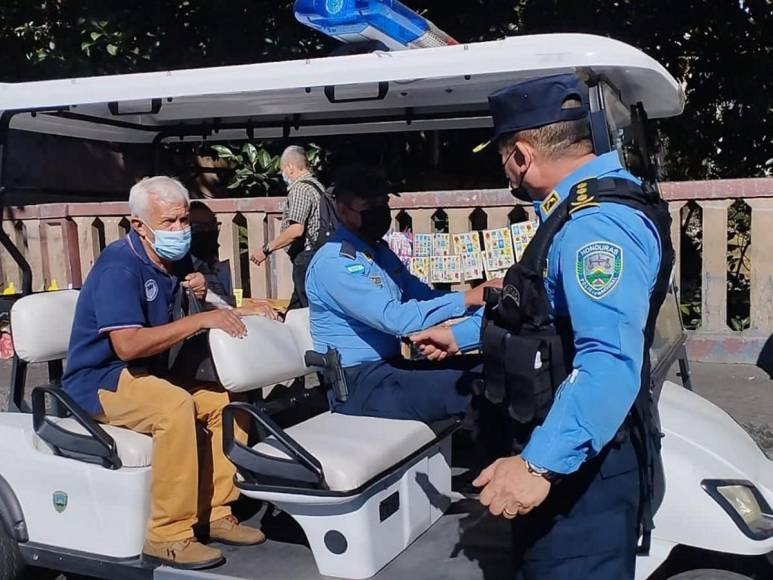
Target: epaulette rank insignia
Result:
[[584, 196]]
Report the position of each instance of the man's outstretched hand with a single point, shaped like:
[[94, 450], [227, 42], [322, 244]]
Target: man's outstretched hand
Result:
[[436, 343]]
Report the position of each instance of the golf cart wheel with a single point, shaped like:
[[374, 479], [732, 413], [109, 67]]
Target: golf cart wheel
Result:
[[707, 574], [12, 565]]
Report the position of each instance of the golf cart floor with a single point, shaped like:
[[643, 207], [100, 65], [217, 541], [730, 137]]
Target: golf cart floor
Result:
[[465, 544]]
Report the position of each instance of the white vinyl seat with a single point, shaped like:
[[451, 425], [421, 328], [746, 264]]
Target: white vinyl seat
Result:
[[134, 449], [41, 326], [353, 450], [361, 488]]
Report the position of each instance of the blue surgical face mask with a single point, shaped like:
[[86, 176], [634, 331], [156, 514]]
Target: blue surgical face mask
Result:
[[287, 180], [171, 245]]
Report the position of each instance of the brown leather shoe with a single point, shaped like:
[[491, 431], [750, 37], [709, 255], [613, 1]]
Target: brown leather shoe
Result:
[[186, 554], [228, 530]]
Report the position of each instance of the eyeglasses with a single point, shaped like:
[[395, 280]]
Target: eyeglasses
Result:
[[509, 155]]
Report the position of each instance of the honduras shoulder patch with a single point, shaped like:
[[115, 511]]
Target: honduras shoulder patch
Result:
[[599, 268]]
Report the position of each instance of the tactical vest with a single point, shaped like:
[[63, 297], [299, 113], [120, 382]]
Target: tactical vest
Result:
[[528, 352]]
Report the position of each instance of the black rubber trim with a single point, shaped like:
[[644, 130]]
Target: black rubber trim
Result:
[[11, 514], [96, 447], [383, 91], [115, 108], [83, 563], [302, 469], [254, 486], [711, 485]]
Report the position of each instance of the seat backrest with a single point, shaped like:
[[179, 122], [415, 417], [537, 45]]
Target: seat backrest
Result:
[[298, 321], [269, 354], [41, 325]]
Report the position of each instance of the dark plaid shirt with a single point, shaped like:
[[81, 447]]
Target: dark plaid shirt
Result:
[[302, 207]]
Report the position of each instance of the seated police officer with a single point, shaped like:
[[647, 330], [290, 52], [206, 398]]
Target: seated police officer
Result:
[[362, 299], [605, 281], [123, 320]]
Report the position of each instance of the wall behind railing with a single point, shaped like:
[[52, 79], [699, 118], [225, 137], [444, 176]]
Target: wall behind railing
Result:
[[61, 242]]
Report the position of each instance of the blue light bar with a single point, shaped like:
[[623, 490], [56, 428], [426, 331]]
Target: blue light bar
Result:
[[389, 22]]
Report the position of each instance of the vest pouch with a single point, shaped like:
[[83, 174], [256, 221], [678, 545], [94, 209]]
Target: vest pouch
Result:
[[493, 339], [527, 377]]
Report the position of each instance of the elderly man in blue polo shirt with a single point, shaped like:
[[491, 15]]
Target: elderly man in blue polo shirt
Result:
[[122, 321]]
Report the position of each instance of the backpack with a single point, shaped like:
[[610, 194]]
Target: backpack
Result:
[[328, 216]]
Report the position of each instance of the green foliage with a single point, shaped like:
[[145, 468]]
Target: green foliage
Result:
[[253, 170], [738, 264]]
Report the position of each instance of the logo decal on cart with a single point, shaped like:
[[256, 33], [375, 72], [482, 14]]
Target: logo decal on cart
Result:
[[60, 501]]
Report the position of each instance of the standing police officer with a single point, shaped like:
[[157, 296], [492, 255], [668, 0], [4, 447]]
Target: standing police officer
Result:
[[578, 490]]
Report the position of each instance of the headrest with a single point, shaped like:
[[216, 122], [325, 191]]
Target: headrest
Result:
[[41, 325], [266, 356]]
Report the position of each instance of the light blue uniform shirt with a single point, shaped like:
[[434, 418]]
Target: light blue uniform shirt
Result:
[[362, 304], [608, 314]]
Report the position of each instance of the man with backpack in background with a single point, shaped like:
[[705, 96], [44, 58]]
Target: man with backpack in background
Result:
[[308, 218]]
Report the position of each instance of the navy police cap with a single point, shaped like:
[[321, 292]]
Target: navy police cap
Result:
[[536, 103]]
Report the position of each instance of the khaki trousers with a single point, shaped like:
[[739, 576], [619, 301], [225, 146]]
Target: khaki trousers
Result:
[[185, 489]]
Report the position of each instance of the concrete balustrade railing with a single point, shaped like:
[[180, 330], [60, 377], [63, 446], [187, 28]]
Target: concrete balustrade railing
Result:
[[62, 241]]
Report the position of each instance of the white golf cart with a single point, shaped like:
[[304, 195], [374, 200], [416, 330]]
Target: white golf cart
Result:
[[369, 497]]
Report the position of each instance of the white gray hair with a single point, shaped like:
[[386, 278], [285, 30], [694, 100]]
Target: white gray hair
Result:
[[294, 155], [160, 187]]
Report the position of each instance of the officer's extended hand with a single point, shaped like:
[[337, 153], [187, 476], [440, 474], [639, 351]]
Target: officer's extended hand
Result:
[[225, 320], [258, 257], [475, 297], [509, 489], [436, 343], [198, 283], [258, 308]]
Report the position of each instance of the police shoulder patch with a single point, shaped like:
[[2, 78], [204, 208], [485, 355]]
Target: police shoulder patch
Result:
[[599, 267]]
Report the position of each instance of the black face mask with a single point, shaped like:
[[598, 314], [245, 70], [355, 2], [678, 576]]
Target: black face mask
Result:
[[520, 192], [204, 245], [375, 222]]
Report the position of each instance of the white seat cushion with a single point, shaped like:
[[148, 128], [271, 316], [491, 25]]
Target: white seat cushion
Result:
[[351, 449], [41, 325], [134, 449], [266, 356]]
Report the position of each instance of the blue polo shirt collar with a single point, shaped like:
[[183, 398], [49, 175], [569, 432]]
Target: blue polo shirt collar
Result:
[[138, 249], [596, 167]]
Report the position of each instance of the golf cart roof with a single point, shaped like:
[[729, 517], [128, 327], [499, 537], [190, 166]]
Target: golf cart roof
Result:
[[434, 88]]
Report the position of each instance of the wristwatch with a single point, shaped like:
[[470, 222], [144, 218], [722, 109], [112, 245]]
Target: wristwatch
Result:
[[546, 474], [266, 249]]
